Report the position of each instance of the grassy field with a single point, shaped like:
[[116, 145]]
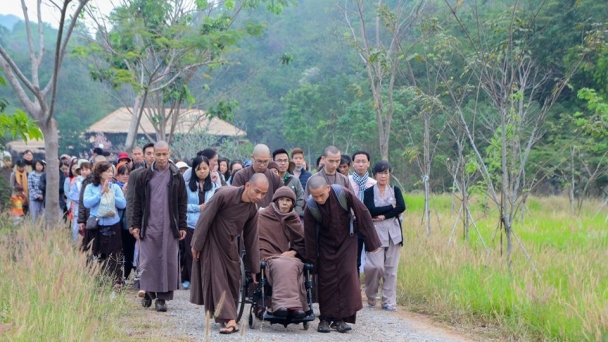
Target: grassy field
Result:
[[50, 292], [567, 300]]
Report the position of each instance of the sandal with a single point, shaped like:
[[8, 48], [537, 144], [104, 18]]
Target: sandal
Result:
[[229, 329], [371, 302], [391, 308]]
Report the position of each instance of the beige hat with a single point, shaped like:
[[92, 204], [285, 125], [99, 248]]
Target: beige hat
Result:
[[181, 165], [80, 162]]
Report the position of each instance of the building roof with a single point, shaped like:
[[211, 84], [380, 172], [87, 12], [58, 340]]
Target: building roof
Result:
[[20, 146], [190, 121]]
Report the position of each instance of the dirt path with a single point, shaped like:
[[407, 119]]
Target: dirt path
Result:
[[186, 322]]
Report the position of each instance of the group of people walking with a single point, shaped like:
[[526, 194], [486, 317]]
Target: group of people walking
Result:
[[177, 223]]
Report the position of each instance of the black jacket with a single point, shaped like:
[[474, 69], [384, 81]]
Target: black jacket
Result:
[[178, 201]]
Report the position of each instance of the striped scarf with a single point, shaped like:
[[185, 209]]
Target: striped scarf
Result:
[[361, 180]]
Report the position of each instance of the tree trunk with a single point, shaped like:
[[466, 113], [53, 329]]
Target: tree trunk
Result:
[[135, 119], [52, 212], [427, 172]]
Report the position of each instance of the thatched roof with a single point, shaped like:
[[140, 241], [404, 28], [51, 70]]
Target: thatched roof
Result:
[[190, 121], [20, 146]]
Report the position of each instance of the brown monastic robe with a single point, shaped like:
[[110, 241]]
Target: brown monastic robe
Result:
[[274, 183], [336, 178], [333, 253], [216, 274], [280, 233]]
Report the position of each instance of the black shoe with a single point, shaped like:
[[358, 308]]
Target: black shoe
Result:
[[146, 302], [160, 305], [280, 312], [323, 327], [297, 313], [341, 326]]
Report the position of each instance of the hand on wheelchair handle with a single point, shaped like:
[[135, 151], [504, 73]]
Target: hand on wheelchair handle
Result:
[[255, 278]]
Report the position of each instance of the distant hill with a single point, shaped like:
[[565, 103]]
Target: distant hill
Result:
[[8, 20]]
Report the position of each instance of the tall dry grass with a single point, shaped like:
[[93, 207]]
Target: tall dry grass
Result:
[[50, 293], [565, 300]]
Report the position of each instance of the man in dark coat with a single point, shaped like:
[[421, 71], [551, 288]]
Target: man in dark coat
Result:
[[332, 249], [159, 222], [260, 158], [215, 274]]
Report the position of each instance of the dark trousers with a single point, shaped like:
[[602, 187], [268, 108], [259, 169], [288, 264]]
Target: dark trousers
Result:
[[359, 251], [128, 250], [186, 256]]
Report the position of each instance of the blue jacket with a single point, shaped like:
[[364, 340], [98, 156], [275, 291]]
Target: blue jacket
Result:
[[92, 199], [194, 209], [304, 175]]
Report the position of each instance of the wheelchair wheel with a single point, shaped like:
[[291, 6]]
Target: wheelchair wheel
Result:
[[251, 320], [240, 301], [305, 325]]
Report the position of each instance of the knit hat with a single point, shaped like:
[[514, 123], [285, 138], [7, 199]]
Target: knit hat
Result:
[[273, 165], [284, 192]]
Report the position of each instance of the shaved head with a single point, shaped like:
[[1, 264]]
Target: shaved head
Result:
[[331, 149], [256, 188], [316, 182], [161, 144], [260, 158], [258, 179], [261, 150]]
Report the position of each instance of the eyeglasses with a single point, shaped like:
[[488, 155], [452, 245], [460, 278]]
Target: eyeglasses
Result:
[[262, 162], [281, 161]]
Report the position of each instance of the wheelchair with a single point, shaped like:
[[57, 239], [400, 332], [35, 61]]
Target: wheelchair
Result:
[[256, 296]]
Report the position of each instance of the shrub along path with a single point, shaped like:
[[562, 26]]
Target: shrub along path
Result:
[[186, 322]]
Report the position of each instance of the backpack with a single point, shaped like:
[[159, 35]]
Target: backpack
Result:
[[314, 208]]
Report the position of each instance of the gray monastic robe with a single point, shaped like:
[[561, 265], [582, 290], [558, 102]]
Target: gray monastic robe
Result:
[[215, 276], [159, 251]]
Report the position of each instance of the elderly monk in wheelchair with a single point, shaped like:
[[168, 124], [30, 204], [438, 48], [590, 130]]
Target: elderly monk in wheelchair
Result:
[[281, 242]]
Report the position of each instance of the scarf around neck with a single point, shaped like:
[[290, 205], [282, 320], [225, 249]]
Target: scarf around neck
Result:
[[361, 180]]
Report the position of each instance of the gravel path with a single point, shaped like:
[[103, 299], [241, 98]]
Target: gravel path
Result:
[[186, 322]]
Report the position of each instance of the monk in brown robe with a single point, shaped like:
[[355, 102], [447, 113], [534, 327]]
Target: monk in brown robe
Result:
[[282, 247], [332, 249], [232, 211], [260, 157], [331, 160]]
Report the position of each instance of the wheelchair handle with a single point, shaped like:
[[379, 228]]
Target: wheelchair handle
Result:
[[308, 267]]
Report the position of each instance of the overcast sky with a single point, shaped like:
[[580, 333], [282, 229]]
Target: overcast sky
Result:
[[50, 13]]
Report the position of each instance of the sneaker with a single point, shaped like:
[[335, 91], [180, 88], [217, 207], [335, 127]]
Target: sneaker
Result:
[[186, 285], [391, 308]]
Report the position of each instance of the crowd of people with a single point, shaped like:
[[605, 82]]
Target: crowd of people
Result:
[[161, 224]]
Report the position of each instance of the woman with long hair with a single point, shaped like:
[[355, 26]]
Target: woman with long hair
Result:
[[82, 170], [200, 190], [106, 239]]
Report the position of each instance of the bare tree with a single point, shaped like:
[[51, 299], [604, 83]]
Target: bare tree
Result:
[[504, 74], [378, 41], [38, 99]]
